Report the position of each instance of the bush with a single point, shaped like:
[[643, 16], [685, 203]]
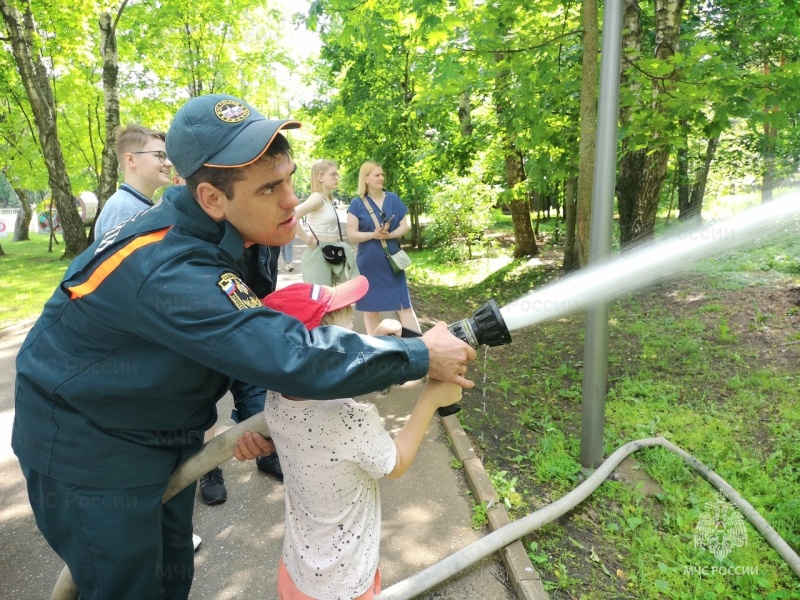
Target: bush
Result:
[[460, 211]]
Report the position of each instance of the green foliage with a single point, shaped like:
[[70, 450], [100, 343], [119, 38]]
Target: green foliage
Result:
[[8, 198], [459, 212], [479, 515], [506, 489], [168, 51], [431, 89]]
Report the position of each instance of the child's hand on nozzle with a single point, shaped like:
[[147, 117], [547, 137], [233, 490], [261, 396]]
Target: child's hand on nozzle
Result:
[[443, 393], [388, 327]]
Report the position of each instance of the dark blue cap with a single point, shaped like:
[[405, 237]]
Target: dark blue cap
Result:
[[219, 131]]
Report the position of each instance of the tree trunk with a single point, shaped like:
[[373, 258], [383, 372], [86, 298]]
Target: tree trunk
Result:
[[588, 125], [416, 236], [465, 114], [24, 215], [633, 161], [671, 192], [33, 73], [535, 203], [693, 209], [768, 180], [524, 239], [639, 206], [701, 179], [642, 172], [683, 178], [108, 175], [570, 210], [518, 203]]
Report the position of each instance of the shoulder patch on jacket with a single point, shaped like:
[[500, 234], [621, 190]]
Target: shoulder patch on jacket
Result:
[[237, 292]]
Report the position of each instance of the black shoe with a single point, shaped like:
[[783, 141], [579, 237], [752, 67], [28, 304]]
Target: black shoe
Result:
[[212, 487], [270, 464]]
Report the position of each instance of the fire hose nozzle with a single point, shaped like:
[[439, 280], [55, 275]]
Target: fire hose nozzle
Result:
[[485, 327]]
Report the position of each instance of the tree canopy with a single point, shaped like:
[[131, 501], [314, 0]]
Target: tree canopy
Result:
[[433, 90]]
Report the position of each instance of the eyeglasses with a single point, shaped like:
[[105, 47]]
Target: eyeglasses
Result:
[[160, 154]]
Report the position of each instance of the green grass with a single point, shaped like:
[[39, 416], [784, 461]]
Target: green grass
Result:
[[29, 274], [683, 365]]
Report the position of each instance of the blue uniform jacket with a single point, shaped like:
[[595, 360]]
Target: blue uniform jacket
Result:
[[119, 376]]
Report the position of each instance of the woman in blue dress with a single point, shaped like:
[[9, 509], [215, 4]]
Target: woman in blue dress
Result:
[[388, 291]]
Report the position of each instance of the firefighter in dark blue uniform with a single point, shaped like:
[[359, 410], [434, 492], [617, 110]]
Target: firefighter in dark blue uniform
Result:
[[119, 377]]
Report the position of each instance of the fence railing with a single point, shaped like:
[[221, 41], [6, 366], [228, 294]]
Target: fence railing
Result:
[[8, 219]]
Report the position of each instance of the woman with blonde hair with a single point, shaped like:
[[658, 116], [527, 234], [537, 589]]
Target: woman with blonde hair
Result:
[[375, 216], [329, 260]]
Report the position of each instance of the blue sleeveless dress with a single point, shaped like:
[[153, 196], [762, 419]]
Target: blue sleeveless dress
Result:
[[387, 290]]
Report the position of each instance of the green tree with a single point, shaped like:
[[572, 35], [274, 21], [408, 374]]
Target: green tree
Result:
[[433, 88], [691, 74], [460, 212], [577, 253], [382, 109], [25, 45]]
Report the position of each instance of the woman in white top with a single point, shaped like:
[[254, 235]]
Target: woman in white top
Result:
[[324, 236]]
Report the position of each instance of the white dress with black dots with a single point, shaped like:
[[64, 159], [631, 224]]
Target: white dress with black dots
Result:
[[332, 453]]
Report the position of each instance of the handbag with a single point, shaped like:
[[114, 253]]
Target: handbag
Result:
[[399, 261], [332, 253]]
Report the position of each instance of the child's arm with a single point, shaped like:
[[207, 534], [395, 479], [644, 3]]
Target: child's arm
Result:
[[408, 440], [388, 327]]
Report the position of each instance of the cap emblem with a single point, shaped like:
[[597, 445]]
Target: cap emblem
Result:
[[231, 111]]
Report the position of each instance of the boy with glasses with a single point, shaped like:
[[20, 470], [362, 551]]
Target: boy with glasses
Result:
[[145, 168]]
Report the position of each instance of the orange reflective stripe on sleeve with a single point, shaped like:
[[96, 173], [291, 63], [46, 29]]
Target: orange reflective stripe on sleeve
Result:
[[107, 267]]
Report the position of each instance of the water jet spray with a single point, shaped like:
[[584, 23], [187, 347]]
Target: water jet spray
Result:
[[485, 327], [645, 265], [634, 270]]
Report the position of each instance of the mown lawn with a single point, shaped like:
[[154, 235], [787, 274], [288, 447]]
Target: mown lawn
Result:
[[29, 274]]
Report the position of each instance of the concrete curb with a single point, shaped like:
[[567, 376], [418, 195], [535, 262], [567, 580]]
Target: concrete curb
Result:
[[521, 573]]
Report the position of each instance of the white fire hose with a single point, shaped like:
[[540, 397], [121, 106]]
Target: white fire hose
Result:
[[446, 568], [220, 449]]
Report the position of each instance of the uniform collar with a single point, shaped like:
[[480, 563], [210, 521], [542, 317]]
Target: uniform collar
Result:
[[198, 223]]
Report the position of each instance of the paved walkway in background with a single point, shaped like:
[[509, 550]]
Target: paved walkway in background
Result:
[[426, 513]]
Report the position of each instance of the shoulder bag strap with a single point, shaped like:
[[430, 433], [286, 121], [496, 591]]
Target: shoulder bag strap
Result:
[[336, 216], [312, 231], [375, 220]]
